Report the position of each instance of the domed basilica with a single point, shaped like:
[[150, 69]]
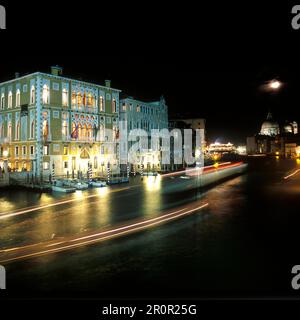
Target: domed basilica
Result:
[[271, 127], [275, 138]]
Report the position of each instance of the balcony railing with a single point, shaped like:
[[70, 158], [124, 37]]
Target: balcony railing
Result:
[[84, 139], [86, 109]]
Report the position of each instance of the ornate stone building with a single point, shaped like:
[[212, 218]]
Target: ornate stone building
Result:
[[48, 119]]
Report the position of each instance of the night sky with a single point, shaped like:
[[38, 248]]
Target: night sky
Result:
[[206, 63]]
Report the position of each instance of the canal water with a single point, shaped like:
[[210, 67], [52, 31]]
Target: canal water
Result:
[[244, 243]]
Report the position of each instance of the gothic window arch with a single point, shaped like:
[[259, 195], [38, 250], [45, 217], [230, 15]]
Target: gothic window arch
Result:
[[46, 94], [32, 95], [18, 98]]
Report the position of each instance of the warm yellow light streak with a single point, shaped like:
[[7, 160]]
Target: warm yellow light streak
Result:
[[5, 215]]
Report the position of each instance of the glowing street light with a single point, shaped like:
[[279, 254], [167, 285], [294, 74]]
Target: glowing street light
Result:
[[5, 153], [275, 84]]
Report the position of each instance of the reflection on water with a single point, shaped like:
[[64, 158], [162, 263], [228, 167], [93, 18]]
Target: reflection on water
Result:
[[238, 245], [152, 196]]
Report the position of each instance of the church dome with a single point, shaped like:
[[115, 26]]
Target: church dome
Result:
[[270, 127]]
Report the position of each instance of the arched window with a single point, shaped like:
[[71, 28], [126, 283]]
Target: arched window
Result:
[[90, 132], [32, 127], [10, 99], [32, 95], [45, 128], [18, 98], [90, 100], [114, 105], [74, 134], [46, 94], [2, 101], [79, 99], [65, 99], [18, 130], [84, 132], [102, 132], [73, 98], [84, 99], [9, 130], [80, 132], [101, 104]]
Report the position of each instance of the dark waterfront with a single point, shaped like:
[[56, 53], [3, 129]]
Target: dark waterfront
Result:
[[244, 243]]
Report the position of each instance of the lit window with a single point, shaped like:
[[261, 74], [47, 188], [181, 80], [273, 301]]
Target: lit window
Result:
[[9, 131], [65, 151], [101, 104], [46, 94], [124, 107], [84, 132], [32, 95], [18, 130], [79, 99], [138, 109], [10, 99], [46, 150], [80, 131], [114, 105], [18, 98], [45, 128], [102, 132], [65, 98], [73, 98], [46, 165], [90, 100]]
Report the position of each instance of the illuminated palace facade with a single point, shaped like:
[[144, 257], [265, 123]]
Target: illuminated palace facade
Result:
[[138, 114], [48, 119]]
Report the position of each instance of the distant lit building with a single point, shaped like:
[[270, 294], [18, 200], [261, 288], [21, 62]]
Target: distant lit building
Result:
[[147, 116], [221, 147], [275, 138], [241, 150], [183, 124]]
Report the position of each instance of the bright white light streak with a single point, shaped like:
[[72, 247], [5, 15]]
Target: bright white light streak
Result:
[[292, 174], [137, 227]]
